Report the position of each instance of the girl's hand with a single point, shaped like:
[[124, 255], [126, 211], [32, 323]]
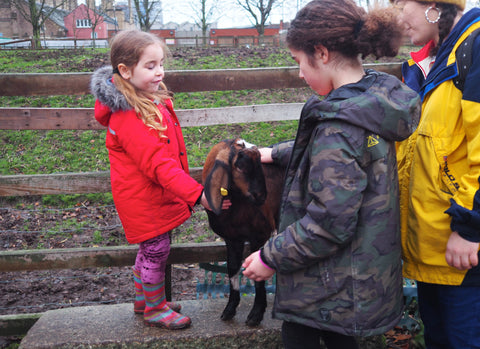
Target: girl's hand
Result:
[[255, 269], [225, 204], [461, 254]]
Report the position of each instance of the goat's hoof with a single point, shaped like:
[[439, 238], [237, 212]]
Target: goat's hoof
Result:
[[254, 319], [253, 322], [227, 315]]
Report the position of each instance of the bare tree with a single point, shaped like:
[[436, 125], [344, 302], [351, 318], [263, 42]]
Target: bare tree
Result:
[[147, 12], [35, 12], [96, 15], [74, 29], [205, 13], [259, 11]]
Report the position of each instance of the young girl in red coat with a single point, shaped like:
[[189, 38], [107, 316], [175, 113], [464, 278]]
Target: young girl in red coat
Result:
[[151, 186]]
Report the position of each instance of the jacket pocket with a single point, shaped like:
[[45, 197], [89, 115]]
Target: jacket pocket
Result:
[[433, 154]]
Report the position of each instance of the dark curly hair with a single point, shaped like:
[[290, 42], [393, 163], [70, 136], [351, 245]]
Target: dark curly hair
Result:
[[445, 23], [344, 27]]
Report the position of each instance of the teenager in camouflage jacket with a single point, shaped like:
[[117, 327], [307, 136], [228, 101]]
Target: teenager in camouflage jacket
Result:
[[338, 253]]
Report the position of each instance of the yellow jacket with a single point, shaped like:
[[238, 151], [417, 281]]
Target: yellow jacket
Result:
[[439, 168]]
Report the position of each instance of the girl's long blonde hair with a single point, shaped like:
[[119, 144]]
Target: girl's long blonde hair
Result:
[[127, 47]]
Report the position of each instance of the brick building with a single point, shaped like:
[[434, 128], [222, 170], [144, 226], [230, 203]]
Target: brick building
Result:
[[245, 36], [13, 25], [84, 23], [68, 20]]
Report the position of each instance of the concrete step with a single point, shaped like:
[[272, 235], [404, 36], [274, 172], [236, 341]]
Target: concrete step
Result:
[[116, 326]]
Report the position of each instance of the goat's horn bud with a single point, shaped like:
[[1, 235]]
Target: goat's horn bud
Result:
[[223, 191]]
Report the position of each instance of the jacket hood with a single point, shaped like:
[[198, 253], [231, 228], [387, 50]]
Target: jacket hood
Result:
[[444, 67], [379, 103], [109, 99]]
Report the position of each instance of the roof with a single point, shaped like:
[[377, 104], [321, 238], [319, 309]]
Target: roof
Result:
[[56, 16]]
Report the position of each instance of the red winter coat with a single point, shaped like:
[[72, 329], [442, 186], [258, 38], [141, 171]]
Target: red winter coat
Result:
[[152, 189]]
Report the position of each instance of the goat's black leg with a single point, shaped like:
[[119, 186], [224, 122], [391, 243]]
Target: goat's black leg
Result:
[[234, 263], [259, 305]]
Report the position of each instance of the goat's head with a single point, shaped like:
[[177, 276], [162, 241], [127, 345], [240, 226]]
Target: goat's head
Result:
[[233, 166]]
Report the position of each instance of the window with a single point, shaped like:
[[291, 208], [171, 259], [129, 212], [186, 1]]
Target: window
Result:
[[83, 23]]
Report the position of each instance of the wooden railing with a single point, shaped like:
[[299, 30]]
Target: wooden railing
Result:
[[94, 182]]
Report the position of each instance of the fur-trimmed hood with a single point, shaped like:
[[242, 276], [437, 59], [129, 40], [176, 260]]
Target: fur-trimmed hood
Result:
[[104, 90]]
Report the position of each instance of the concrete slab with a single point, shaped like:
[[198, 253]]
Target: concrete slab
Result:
[[116, 326]]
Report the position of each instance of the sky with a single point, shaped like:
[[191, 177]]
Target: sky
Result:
[[232, 15]]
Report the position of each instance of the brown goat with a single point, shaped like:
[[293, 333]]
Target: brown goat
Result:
[[234, 171]]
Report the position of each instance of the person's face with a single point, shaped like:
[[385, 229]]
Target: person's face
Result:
[[316, 76], [149, 72], [412, 16]]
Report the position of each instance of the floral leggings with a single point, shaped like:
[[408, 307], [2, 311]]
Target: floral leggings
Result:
[[152, 257]]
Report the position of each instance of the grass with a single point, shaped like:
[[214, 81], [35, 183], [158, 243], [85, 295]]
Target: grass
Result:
[[49, 61]]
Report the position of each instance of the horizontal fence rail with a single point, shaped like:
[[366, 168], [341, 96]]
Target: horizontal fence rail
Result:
[[64, 183], [115, 256], [48, 84], [83, 118]]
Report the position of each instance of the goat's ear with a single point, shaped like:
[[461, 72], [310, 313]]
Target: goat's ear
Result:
[[216, 186], [244, 144]]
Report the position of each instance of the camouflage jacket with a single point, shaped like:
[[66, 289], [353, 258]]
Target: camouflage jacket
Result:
[[338, 251]]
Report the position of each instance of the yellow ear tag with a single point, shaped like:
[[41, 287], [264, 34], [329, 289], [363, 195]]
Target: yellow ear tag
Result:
[[223, 191]]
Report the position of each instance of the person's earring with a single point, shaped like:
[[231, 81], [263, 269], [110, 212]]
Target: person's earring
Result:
[[428, 18]]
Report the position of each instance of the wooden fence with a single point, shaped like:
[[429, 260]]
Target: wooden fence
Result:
[[171, 41], [96, 182]]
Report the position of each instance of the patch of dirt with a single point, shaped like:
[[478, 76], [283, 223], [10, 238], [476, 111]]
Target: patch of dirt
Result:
[[39, 291], [83, 226]]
